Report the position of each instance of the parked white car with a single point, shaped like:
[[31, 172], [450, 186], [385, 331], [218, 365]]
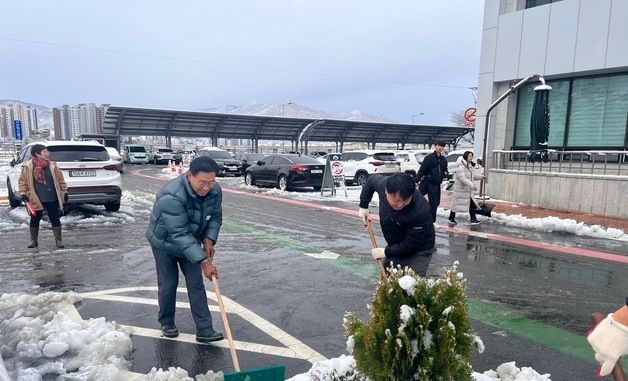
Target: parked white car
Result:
[[91, 175], [359, 165], [410, 160], [161, 155], [135, 154]]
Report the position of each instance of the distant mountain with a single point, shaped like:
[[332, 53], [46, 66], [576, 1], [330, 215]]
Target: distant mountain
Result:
[[294, 110], [44, 114]]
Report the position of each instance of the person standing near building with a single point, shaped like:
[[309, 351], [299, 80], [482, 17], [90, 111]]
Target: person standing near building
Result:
[[405, 219], [182, 232], [42, 186], [431, 174], [463, 189]]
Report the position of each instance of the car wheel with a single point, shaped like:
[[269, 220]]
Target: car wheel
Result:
[[282, 183], [13, 202], [113, 206], [361, 178], [248, 179]]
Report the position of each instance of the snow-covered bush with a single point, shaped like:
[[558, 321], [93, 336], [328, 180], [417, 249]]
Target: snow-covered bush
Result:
[[418, 329]]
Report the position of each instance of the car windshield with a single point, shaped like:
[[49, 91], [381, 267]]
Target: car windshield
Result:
[[164, 150], [78, 153], [385, 156], [253, 157], [137, 149], [303, 160], [217, 154]]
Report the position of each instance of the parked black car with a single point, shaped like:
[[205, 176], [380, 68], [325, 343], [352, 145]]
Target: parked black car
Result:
[[286, 171], [249, 159], [227, 165]]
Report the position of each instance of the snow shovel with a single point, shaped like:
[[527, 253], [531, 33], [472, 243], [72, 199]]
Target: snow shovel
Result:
[[380, 262], [618, 370], [485, 209], [271, 373]]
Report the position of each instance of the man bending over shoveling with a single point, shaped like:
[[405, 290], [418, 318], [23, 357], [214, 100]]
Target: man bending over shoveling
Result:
[[406, 221], [187, 214]]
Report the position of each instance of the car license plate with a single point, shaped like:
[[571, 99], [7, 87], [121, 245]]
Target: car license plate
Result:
[[317, 171], [82, 173]]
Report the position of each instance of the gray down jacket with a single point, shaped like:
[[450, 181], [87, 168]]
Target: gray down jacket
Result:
[[463, 187], [181, 220]]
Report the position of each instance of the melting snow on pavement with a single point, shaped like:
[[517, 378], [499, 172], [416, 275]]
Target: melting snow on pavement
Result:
[[43, 336]]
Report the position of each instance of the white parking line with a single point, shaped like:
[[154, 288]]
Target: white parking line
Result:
[[293, 347]]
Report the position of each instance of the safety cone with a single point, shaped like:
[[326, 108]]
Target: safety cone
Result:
[[180, 169], [173, 169]]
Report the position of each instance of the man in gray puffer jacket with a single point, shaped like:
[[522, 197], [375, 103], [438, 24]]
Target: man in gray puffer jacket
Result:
[[183, 229]]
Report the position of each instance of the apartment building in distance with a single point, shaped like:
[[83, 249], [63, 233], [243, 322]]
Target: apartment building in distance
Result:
[[579, 47], [26, 114], [71, 121]]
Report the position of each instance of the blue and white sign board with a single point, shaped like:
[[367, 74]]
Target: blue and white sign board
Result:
[[17, 129]]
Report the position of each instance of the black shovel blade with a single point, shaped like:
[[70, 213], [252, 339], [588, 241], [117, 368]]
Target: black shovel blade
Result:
[[485, 210]]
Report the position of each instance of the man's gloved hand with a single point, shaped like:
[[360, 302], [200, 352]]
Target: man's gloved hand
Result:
[[24, 198], [609, 340], [364, 215], [208, 247], [209, 269], [378, 253]]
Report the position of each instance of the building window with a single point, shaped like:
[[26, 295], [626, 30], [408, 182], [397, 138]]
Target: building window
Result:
[[536, 3], [598, 113]]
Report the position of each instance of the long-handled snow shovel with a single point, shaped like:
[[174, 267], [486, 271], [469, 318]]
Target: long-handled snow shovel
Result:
[[618, 370], [380, 262], [271, 373]]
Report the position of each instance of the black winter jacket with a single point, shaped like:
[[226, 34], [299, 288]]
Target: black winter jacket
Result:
[[181, 220], [407, 231], [434, 168]]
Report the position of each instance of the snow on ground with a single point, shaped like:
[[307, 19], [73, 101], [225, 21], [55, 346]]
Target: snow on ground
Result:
[[132, 205], [546, 224], [43, 335]]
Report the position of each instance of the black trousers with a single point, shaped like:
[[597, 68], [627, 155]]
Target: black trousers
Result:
[[472, 209], [433, 196], [52, 209]]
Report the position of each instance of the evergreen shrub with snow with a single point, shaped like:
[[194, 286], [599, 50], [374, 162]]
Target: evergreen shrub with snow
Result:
[[418, 329]]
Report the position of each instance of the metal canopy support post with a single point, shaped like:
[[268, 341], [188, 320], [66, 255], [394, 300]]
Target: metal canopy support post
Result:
[[169, 132], [305, 130], [486, 123]]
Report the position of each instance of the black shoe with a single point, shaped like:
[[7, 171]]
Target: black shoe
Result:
[[207, 335], [475, 222], [169, 331], [452, 222]]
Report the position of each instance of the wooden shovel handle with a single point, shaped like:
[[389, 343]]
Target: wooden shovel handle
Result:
[[618, 370], [223, 313], [380, 263]]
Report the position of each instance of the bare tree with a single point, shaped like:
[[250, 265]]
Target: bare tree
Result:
[[457, 119]]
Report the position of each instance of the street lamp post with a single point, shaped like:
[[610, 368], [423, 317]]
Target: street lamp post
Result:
[[415, 115]]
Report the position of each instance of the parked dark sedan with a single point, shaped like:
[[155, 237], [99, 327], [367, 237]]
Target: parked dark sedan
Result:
[[286, 171], [227, 165]]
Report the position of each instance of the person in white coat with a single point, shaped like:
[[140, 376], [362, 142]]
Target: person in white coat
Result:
[[463, 189]]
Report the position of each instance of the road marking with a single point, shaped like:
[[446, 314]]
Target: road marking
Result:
[[325, 254], [293, 347]]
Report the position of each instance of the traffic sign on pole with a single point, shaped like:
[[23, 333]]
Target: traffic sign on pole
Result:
[[469, 116]]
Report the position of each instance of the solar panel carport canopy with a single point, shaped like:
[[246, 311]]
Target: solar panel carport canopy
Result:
[[135, 121]]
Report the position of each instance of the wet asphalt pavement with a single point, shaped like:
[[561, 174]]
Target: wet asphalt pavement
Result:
[[529, 305]]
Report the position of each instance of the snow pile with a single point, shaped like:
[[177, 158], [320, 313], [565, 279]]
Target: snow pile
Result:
[[343, 368], [178, 374], [549, 224], [43, 335], [510, 372]]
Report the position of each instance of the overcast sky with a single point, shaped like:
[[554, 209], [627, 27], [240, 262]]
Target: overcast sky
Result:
[[337, 56]]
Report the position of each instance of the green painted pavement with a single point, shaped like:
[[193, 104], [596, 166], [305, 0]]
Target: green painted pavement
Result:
[[551, 337]]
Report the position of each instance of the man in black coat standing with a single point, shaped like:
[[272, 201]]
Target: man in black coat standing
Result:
[[405, 219], [432, 172]]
